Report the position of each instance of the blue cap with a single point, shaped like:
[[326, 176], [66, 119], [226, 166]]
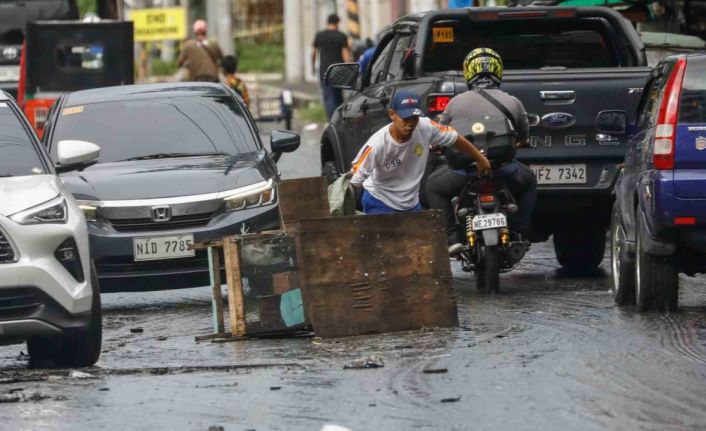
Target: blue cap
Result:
[[406, 104]]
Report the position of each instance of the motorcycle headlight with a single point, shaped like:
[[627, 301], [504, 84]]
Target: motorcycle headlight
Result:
[[53, 211], [255, 195]]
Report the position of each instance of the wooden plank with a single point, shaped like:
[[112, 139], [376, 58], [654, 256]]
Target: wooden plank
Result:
[[236, 307], [214, 268], [366, 274], [302, 198]]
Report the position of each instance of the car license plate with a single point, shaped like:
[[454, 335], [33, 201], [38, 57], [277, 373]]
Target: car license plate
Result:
[[9, 73], [489, 221], [163, 247], [560, 174]]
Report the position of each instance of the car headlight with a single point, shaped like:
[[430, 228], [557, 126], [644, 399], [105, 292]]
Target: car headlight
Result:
[[53, 211], [89, 208], [254, 195]]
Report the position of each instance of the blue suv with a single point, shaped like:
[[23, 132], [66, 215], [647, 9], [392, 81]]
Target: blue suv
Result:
[[659, 218]]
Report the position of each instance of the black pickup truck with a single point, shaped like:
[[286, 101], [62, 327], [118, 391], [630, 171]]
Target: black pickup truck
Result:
[[565, 64]]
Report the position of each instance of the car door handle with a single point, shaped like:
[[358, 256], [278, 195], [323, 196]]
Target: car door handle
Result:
[[557, 96]]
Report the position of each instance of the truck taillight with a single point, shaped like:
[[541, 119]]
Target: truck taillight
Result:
[[665, 132], [437, 103]]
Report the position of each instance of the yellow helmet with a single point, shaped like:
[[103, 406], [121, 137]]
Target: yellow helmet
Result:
[[483, 62]]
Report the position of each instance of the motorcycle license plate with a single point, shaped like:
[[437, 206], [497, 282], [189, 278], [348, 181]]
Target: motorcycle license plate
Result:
[[489, 221]]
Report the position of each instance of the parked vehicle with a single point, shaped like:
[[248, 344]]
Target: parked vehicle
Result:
[[13, 20], [180, 163], [565, 65], [86, 55], [483, 209], [49, 294], [659, 217]]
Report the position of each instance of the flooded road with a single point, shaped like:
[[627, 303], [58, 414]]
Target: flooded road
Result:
[[547, 352]]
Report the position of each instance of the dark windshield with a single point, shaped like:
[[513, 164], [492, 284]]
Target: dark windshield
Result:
[[133, 128], [692, 106], [532, 44], [18, 155]]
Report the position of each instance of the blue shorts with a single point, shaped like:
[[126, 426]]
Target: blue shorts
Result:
[[371, 205]]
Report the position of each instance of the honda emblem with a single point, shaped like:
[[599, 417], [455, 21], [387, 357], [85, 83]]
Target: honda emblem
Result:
[[161, 213]]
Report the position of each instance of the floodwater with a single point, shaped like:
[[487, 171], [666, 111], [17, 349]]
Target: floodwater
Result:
[[548, 352]]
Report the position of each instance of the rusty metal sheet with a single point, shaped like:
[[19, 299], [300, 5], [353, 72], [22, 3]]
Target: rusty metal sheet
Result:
[[366, 274]]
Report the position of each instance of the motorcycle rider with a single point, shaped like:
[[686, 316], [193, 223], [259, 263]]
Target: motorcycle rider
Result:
[[479, 109]]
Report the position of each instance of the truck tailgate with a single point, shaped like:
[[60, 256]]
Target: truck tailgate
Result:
[[565, 150]]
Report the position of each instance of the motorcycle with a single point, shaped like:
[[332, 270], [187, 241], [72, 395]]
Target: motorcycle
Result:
[[483, 208]]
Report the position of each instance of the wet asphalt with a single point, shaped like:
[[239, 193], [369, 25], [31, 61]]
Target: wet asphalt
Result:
[[548, 352]]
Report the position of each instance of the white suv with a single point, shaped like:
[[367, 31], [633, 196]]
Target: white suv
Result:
[[49, 294]]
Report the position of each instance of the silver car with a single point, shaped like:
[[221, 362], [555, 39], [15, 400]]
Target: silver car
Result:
[[49, 294]]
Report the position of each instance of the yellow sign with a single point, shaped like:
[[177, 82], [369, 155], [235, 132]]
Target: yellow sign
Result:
[[443, 34], [159, 24], [72, 110]]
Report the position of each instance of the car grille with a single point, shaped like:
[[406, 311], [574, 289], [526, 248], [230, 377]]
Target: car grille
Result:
[[18, 302], [176, 222], [7, 255]]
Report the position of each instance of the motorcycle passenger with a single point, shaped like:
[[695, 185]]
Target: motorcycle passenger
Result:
[[485, 112], [391, 164]]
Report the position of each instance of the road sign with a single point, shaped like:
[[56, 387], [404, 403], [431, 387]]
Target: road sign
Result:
[[159, 24]]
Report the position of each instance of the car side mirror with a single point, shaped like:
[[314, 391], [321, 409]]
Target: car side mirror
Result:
[[283, 141], [533, 120], [75, 155], [612, 122], [343, 75]]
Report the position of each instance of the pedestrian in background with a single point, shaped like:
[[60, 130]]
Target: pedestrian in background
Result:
[[200, 55], [367, 55], [229, 64], [331, 46]]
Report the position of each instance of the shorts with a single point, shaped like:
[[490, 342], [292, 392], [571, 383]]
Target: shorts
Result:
[[372, 205]]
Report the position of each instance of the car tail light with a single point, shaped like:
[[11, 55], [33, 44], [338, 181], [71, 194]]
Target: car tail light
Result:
[[486, 199], [665, 132], [436, 104], [685, 221], [523, 14], [68, 256]]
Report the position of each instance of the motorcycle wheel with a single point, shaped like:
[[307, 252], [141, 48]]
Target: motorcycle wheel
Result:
[[488, 272]]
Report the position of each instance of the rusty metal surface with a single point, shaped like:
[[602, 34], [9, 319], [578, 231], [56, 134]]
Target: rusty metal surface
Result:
[[367, 274]]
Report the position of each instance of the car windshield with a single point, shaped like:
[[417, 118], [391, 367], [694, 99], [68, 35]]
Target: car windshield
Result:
[[18, 155], [692, 107], [531, 44], [144, 128]]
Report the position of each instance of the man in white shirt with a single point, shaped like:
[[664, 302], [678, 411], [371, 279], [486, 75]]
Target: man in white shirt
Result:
[[391, 164]]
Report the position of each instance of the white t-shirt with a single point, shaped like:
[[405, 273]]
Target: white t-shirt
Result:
[[392, 171]]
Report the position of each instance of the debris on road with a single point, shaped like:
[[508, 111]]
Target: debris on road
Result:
[[372, 361], [275, 388], [137, 330], [216, 428], [80, 375], [451, 400], [435, 370], [21, 397], [161, 338]]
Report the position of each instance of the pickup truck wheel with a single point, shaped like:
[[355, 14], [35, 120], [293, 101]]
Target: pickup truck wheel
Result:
[[656, 279], [76, 349], [622, 266], [580, 250], [330, 171]]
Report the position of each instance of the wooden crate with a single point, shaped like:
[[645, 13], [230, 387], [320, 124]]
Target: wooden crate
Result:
[[375, 273]]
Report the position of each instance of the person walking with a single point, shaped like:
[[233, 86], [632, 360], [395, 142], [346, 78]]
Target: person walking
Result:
[[229, 64], [201, 56], [331, 46]]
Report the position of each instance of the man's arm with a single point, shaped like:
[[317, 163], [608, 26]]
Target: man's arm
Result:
[[346, 54], [362, 166], [522, 125]]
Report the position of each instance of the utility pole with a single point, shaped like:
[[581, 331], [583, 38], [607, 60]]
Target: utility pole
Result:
[[220, 26], [293, 43]]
